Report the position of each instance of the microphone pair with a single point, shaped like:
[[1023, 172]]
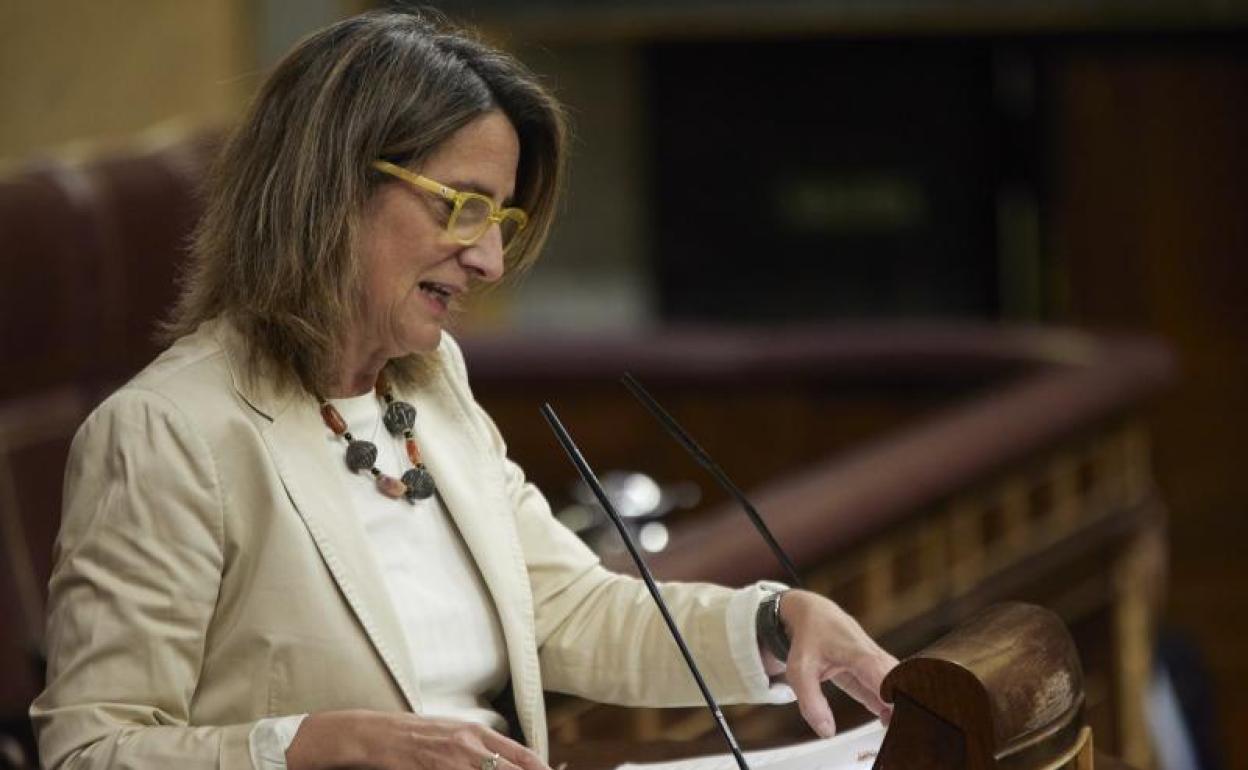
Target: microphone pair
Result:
[[685, 440]]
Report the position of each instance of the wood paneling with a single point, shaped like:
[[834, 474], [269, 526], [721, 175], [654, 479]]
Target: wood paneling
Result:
[[1152, 233]]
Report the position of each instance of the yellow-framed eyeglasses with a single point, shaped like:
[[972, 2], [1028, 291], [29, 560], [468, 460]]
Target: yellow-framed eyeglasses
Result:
[[472, 214]]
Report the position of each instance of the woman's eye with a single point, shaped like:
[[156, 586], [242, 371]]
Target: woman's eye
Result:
[[443, 208]]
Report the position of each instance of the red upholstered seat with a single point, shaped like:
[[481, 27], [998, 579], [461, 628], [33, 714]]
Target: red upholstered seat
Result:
[[88, 256], [53, 283], [35, 434], [145, 206]]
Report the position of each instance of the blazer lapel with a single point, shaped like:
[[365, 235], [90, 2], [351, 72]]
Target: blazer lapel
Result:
[[473, 494], [313, 480]]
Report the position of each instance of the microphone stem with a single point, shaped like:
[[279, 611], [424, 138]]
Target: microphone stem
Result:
[[699, 454], [582, 467]]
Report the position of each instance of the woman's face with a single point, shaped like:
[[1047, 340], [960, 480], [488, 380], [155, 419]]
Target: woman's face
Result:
[[413, 271]]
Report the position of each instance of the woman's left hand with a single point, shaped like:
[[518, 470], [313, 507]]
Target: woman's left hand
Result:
[[827, 644]]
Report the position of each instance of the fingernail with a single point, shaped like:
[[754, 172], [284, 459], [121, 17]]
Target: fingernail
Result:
[[826, 728]]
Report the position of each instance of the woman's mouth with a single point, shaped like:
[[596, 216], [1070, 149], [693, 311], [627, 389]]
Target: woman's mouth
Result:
[[437, 293]]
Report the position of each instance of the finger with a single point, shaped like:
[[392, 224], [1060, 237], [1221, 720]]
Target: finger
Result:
[[515, 753], [804, 678], [482, 743], [886, 715], [872, 669], [873, 673], [877, 667], [860, 692], [482, 762]]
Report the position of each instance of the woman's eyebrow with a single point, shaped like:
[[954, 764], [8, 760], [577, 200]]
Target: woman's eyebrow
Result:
[[463, 185]]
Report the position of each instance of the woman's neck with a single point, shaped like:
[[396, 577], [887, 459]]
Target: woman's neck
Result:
[[359, 366]]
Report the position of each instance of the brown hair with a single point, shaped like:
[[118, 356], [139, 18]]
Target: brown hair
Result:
[[273, 251]]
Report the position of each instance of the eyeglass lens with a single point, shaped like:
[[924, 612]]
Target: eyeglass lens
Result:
[[474, 219]]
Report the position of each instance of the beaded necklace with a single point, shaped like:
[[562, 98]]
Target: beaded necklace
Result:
[[400, 417]]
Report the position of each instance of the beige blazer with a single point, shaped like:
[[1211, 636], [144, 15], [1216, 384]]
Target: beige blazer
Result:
[[210, 572]]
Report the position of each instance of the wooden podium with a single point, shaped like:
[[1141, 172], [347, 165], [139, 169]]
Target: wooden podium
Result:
[[1003, 691]]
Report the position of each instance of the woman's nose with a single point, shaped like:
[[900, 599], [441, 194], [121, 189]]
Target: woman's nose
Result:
[[485, 257]]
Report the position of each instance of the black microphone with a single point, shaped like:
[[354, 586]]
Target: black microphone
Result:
[[685, 440], [587, 474]]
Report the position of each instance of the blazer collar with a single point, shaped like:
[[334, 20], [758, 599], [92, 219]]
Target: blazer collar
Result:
[[260, 392]]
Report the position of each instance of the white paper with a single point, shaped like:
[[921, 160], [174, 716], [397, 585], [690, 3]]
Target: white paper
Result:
[[853, 750]]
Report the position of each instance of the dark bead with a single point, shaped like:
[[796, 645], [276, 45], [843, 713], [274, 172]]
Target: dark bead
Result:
[[419, 483], [400, 416], [361, 455]]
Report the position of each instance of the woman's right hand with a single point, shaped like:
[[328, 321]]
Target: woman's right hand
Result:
[[397, 741]]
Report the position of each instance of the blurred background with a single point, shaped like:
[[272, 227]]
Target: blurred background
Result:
[[981, 264]]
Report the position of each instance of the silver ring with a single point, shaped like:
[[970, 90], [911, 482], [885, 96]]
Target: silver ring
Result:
[[490, 762]]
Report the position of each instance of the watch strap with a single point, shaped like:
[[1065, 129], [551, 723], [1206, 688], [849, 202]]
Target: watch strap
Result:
[[770, 628]]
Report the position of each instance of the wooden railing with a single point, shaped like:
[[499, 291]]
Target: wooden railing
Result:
[[1037, 486]]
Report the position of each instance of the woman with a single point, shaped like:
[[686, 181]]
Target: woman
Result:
[[228, 592]]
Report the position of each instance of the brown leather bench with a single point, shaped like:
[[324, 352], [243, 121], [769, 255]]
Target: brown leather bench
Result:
[[88, 255]]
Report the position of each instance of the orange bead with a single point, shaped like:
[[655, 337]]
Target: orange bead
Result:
[[390, 486], [332, 419], [413, 451]]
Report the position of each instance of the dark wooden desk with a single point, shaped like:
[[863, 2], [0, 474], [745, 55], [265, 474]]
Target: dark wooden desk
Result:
[[604, 755]]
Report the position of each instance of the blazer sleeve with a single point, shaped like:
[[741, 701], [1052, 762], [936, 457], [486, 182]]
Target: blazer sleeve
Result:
[[137, 568], [599, 634]]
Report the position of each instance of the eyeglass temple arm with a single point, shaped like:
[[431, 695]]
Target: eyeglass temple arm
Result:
[[422, 182]]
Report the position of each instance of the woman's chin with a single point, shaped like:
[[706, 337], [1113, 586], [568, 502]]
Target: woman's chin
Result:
[[423, 340]]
